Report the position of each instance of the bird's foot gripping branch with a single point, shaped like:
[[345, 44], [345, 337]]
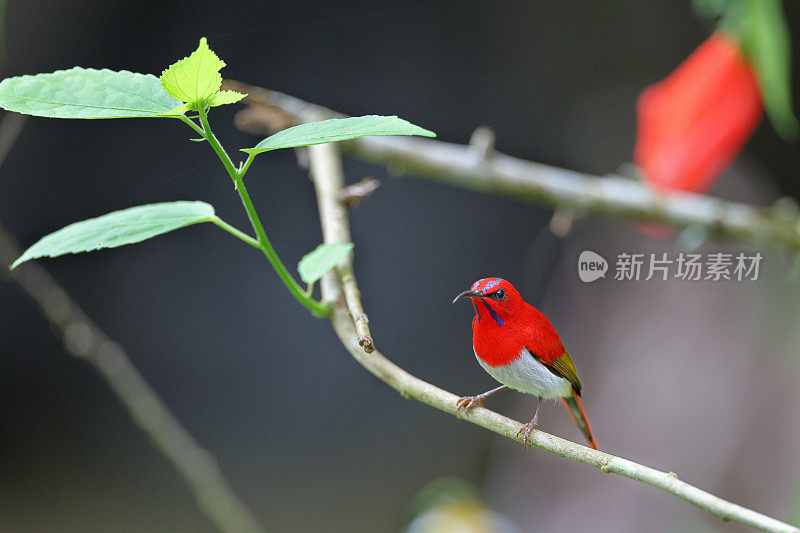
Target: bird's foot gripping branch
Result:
[[186, 91]]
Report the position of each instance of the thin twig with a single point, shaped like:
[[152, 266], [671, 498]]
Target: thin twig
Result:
[[353, 194], [482, 169], [324, 162], [85, 340], [328, 180]]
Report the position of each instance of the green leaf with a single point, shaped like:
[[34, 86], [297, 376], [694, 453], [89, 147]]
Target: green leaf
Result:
[[225, 97], [86, 93], [119, 228], [181, 109], [324, 257], [712, 8], [766, 41], [194, 79], [337, 129]]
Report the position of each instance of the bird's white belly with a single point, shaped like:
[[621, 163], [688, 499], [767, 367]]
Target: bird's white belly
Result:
[[528, 375]]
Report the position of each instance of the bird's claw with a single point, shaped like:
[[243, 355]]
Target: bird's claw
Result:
[[527, 428], [468, 402]]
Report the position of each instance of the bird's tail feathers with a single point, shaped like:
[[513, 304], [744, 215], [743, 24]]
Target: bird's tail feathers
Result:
[[575, 408]]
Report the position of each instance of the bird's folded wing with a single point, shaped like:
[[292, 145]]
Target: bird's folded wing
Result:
[[563, 367]]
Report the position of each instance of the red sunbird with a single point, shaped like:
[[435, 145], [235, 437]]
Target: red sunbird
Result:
[[516, 344]]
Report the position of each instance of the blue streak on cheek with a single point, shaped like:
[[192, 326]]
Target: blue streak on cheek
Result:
[[477, 314], [494, 315]]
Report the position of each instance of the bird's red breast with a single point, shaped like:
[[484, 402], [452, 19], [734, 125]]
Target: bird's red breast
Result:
[[501, 345], [502, 328]]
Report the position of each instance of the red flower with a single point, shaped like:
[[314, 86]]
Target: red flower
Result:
[[693, 124]]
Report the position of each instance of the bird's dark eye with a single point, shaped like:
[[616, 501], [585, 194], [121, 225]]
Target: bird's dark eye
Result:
[[499, 294]]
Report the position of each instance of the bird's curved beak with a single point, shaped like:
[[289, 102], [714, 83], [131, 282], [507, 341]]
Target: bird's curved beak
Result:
[[468, 294]]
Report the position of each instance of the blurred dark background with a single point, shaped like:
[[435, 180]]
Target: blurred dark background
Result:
[[695, 377]]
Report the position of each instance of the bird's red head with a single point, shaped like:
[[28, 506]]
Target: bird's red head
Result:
[[494, 300]]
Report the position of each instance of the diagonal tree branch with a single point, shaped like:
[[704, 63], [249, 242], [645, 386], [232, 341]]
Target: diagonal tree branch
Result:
[[327, 175], [477, 167], [85, 340]]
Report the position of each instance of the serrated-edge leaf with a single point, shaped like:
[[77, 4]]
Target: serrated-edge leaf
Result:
[[324, 257], [225, 97], [196, 78], [338, 129], [118, 228], [84, 93]]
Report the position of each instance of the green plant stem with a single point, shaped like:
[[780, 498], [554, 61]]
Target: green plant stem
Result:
[[246, 165], [262, 242], [212, 140], [236, 232], [317, 308], [192, 125]]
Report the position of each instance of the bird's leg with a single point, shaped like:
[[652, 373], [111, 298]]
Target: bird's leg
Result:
[[468, 402], [533, 424]]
